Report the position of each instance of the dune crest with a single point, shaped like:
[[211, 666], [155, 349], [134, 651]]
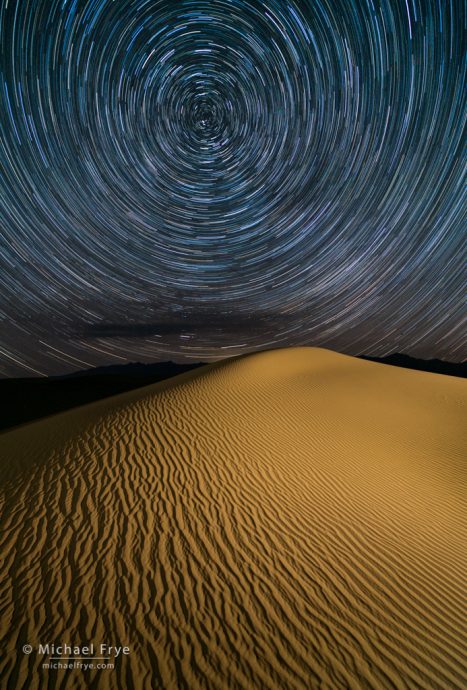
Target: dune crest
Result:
[[292, 519]]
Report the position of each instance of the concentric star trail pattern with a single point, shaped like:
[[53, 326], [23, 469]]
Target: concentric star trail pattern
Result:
[[197, 179]]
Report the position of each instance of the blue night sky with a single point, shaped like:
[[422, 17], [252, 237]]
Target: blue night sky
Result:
[[198, 179]]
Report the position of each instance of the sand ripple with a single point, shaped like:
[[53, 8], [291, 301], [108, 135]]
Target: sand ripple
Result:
[[294, 519]]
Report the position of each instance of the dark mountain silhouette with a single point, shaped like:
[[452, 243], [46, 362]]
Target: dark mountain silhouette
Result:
[[136, 370], [25, 399], [435, 366]]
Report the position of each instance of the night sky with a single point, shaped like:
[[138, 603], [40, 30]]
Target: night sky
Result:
[[196, 179]]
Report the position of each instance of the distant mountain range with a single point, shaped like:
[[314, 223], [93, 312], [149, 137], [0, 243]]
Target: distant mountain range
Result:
[[435, 366], [25, 399], [157, 370]]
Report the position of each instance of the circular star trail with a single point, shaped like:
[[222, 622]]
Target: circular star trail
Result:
[[180, 177]]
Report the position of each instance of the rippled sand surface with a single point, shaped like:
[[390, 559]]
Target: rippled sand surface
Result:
[[292, 519]]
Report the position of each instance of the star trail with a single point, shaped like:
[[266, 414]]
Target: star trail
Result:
[[195, 179]]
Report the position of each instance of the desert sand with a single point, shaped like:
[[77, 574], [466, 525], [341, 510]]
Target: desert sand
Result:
[[290, 519]]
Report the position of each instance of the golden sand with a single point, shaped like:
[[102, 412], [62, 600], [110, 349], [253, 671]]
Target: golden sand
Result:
[[291, 519]]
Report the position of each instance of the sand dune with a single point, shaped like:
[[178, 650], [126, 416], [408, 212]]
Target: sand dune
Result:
[[292, 519]]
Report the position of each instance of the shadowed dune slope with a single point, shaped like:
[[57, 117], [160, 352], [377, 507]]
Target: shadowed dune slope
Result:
[[292, 519]]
